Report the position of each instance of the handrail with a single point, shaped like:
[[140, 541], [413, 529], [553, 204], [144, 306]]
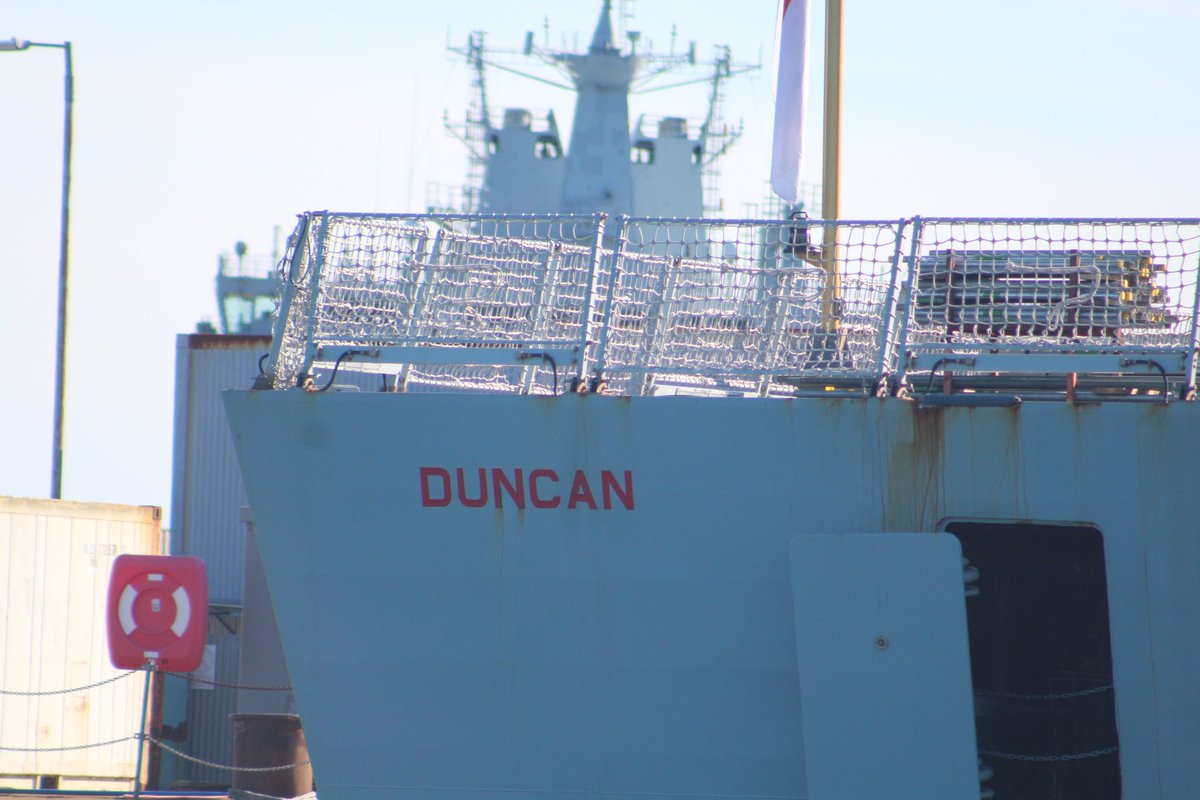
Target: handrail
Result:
[[731, 304]]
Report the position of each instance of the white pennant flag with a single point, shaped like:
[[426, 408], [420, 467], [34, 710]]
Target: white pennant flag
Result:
[[789, 100]]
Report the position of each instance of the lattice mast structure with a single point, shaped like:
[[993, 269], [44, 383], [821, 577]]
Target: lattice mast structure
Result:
[[476, 129], [716, 134], [523, 167]]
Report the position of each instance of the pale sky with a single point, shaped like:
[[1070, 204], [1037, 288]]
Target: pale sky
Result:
[[199, 124]]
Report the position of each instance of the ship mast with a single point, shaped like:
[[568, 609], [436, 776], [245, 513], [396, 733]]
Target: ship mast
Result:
[[522, 167], [476, 131], [600, 131], [716, 137]]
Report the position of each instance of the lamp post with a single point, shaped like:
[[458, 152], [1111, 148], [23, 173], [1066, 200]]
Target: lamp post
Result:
[[60, 360]]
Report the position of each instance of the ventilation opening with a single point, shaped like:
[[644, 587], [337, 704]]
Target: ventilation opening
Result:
[[1041, 660]]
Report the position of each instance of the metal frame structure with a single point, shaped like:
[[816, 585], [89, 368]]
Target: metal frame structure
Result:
[[643, 305]]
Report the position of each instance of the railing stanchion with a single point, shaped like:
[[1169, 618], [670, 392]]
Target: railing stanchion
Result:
[[890, 311], [907, 312], [286, 293], [614, 274], [143, 734], [589, 299], [1189, 383], [314, 290]]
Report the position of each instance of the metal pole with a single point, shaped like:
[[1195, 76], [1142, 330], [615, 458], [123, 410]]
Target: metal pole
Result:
[[907, 299], [831, 169], [60, 354], [142, 733], [614, 275], [832, 153], [887, 331], [588, 325]]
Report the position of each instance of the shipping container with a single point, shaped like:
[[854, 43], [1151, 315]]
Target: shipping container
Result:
[[60, 696]]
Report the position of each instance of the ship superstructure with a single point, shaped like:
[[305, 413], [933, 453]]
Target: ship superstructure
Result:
[[661, 166]]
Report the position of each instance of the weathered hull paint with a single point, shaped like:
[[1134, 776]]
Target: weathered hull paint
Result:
[[458, 652]]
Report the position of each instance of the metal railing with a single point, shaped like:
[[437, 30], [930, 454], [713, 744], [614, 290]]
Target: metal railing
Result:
[[541, 303]]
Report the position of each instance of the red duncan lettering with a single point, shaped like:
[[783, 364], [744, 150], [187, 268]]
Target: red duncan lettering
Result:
[[472, 502], [515, 490], [535, 496], [515, 487], [581, 492], [609, 487], [427, 498]]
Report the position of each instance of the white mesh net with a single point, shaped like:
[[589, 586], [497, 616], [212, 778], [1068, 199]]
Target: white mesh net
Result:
[[438, 281], [1018, 283], [748, 305], [528, 303]]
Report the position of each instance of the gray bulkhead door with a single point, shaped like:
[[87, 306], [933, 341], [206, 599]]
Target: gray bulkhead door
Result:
[[884, 666]]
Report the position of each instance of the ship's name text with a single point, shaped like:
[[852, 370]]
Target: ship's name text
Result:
[[539, 488]]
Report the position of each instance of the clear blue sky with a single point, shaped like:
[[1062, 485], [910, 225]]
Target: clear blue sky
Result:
[[199, 124]]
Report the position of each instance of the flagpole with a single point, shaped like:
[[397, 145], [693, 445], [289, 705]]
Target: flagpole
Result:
[[831, 155], [832, 151]]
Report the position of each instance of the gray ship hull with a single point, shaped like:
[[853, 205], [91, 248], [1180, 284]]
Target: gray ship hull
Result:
[[570, 596]]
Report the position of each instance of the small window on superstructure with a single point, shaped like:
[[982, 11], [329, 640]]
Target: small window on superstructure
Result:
[[642, 152], [697, 154], [493, 144], [546, 148]]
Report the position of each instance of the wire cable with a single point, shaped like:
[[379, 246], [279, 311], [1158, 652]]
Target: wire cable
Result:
[[549, 359], [336, 365]]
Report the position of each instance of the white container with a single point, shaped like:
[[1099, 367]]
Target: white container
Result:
[[55, 561]]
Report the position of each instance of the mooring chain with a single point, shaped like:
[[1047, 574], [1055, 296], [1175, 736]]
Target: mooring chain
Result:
[[16, 693], [206, 682], [152, 740], [1062, 696], [66, 747], [226, 767], [1067, 757]]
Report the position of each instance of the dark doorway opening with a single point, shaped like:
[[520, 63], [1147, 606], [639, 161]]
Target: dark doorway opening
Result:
[[1041, 659]]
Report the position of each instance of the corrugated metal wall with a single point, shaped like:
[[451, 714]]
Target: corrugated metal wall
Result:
[[210, 731], [207, 491], [55, 560], [206, 497]]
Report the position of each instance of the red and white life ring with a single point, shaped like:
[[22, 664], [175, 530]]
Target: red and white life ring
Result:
[[157, 612], [142, 621]]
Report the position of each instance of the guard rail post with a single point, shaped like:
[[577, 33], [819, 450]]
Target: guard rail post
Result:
[[613, 276], [589, 299], [907, 312], [142, 737], [891, 311], [1189, 382]]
